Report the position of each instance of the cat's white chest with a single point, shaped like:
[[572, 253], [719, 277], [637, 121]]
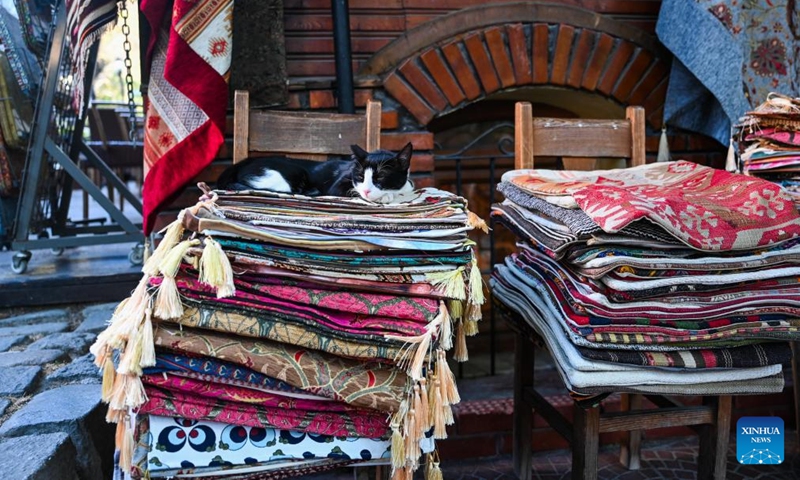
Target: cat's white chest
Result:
[[270, 180]]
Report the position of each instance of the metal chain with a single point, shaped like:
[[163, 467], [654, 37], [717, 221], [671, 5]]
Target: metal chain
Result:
[[126, 45]]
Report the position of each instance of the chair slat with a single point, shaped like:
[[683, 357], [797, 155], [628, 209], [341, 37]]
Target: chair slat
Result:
[[581, 138], [300, 132]]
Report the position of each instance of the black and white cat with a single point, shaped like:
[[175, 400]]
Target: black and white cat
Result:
[[379, 176]]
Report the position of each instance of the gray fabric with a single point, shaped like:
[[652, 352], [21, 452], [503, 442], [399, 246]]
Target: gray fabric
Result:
[[576, 220], [706, 89]]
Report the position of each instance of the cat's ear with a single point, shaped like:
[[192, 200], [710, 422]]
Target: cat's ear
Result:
[[359, 153], [404, 157]]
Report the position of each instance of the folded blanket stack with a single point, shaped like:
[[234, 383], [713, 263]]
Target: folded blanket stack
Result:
[[274, 335], [769, 142], [665, 278]]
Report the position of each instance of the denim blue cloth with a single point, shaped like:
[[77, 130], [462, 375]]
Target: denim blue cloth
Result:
[[706, 88]]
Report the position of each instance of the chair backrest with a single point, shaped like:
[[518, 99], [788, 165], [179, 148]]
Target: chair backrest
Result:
[[579, 142], [308, 135]]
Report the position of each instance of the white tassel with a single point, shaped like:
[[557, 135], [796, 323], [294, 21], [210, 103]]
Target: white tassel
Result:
[[663, 146], [730, 160], [476, 284], [451, 283]]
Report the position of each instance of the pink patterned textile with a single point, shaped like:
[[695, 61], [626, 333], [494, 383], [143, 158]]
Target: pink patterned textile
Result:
[[707, 209], [169, 403]]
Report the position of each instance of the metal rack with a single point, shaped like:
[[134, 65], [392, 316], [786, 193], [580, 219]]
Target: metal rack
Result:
[[52, 167]]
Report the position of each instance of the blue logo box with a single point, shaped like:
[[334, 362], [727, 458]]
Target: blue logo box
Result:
[[759, 440]]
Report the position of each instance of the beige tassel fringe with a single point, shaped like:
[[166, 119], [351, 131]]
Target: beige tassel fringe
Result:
[[424, 406], [109, 375], [432, 469], [456, 309], [663, 146], [447, 379], [398, 448], [450, 284], [474, 313], [439, 428], [412, 356], [173, 259], [470, 328], [730, 159], [148, 357], [460, 354], [124, 321], [216, 270], [476, 284], [126, 449], [168, 301], [115, 416], [475, 221], [174, 232], [446, 333]]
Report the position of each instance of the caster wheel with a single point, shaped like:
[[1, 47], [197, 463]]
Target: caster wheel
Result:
[[19, 262], [57, 251], [136, 255]]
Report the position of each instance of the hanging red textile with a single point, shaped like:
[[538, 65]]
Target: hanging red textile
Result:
[[190, 57]]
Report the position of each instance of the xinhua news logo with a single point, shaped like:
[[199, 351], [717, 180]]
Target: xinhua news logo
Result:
[[759, 440]]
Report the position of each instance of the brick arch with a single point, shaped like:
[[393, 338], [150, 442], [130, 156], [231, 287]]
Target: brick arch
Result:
[[465, 56]]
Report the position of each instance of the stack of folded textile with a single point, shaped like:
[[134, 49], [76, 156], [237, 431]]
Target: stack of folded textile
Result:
[[665, 278], [769, 141], [275, 334]]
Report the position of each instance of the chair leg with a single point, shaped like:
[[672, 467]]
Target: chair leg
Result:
[[631, 444], [586, 441], [713, 451], [523, 411]]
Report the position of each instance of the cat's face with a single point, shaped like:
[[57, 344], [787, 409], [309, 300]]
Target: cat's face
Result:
[[382, 175]]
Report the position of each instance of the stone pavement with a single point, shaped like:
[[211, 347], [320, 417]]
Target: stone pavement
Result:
[[52, 423]]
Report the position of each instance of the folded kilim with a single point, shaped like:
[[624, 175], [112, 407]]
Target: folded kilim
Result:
[[275, 318], [178, 403], [683, 277]]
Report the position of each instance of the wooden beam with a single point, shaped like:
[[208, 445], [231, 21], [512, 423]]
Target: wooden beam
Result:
[[552, 416], [241, 125], [637, 119], [523, 135], [373, 133], [660, 418]]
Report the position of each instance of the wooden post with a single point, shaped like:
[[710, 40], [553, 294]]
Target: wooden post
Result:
[[713, 452], [631, 445], [586, 442], [523, 135], [373, 130], [241, 125], [524, 356], [636, 117]]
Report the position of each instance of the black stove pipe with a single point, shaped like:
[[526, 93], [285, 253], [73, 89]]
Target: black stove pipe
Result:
[[344, 57]]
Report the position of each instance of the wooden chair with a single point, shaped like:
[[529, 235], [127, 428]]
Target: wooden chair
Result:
[[580, 143], [307, 135]]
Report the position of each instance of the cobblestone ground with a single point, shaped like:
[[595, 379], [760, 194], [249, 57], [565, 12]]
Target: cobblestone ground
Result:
[[52, 425]]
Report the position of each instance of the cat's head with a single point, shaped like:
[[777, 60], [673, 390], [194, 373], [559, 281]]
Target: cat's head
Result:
[[381, 175]]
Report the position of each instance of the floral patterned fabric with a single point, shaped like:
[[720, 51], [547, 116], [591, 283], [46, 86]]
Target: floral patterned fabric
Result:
[[766, 31], [211, 370], [217, 404], [707, 209], [253, 323], [361, 384], [171, 446], [297, 313]]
